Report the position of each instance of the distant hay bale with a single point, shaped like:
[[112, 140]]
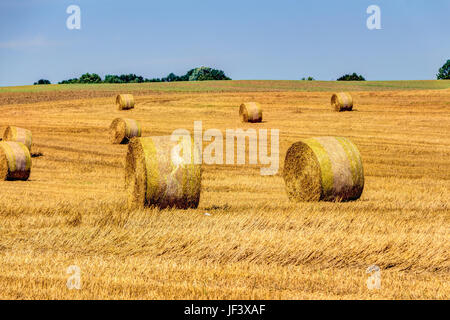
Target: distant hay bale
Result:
[[250, 112], [122, 130], [125, 101], [17, 134], [324, 168], [158, 173], [342, 101], [15, 161]]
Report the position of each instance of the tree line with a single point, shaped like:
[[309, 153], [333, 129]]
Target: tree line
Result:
[[202, 74], [196, 74]]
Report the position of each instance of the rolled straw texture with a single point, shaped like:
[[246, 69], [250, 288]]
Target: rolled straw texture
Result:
[[324, 168], [342, 101], [250, 112], [15, 161], [122, 130], [159, 173], [17, 134], [125, 101]]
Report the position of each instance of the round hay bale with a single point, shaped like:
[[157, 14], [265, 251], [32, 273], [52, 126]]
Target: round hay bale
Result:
[[324, 168], [156, 174], [15, 161], [125, 101], [342, 101], [250, 112], [17, 134], [122, 130]]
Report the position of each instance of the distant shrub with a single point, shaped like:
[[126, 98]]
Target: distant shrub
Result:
[[351, 77], [444, 72], [42, 81], [307, 79]]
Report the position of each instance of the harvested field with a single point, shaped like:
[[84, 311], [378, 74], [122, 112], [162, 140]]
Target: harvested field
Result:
[[255, 243]]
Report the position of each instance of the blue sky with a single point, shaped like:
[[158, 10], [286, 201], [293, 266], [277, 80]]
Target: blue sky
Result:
[[248, 39]]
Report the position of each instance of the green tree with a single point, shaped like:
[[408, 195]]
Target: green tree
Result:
[[444, 72], [69, 81], [131, 78], [205, 73], [42, 81], [171, 77], [153, 80], [351, 77], [110, 78], [90, 78]]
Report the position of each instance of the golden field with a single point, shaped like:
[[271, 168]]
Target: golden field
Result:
[[255, 244]]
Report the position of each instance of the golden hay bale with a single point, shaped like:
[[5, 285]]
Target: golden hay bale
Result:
[[15, 161], [342, 101], [122, 130], [158, 173], [125, 101], [250, 112], [324, 168], [18, 135]]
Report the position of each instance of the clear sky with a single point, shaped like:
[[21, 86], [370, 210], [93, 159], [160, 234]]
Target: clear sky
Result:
[[248, 39]]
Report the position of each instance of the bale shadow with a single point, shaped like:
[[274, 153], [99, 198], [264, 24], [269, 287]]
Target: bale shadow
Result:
[[220, 207], [36, 154]]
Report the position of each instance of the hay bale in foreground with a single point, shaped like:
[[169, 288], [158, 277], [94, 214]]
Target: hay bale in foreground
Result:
[[122, 130], [15, 161], [324, 168], [158, 174], [17, 134], [342, 101], [250, 112], [125, 101]]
